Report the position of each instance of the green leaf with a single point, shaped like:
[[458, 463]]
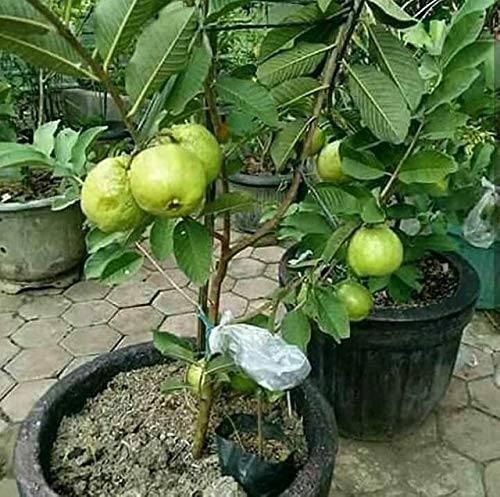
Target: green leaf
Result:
[[193, 250], [451, 87], [398, 62], [472, 56], [391, 13], [172, 346], [443, 123], [427, 166], [249, 97], [116, 24], [189, 83], [361, 165], [230, 202], [161, 238], [331, 314], [96, 239], [301, 60], [308, 223], [122, 268], [410, 275], [81, 147], [162, 49], [372, 213], [338, 200], [173, 385], [296, 329], [338, 238], [98, 260], [439, 243], [281, 38], [63, 145], [218, 364], [398, 290], [380, 103], [377, 283], [70, 196], [219, 8], [470, 6], [18, 17], [19, 155], [286, 141], [402, 211], [294, 91], [43, 138], [462, 33]]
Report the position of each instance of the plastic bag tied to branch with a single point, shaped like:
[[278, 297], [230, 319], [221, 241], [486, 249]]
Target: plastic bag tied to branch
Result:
[[266, 358], [479, 226]]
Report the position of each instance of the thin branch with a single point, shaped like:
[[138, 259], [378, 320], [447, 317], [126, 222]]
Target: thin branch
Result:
[[97, 69], [384, 195]]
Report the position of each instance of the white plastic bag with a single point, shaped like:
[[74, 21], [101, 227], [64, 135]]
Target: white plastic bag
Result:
[[266, 358], [479, 228]]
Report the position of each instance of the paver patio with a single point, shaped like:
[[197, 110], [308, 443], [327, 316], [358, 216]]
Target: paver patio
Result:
[[46, 334]]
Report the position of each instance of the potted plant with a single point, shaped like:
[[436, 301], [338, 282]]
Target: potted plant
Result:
[[39, 186], [159, 190], [387, 296]]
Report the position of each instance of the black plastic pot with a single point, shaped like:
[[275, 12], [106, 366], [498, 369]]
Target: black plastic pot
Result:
[[38, 432], [396, 367]]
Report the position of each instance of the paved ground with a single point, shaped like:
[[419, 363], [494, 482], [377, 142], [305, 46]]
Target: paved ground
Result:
[[45, 334]]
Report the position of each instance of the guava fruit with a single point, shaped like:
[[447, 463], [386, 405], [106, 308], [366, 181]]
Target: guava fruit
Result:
[[317, 143], [200, 142], [357, 299], [167, 181], [375, 251], [329, 164], [195, 377], [106, 198], [242, 383]]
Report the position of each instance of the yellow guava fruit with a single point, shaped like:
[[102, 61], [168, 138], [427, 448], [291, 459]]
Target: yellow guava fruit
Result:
[[167, 181], [106, 199]]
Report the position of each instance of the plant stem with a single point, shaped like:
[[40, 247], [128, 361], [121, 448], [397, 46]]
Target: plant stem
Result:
[[384, 195], [260, 431], [41, 97], [202, 423], [96, 68]]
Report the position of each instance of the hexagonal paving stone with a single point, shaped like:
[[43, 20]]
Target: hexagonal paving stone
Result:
[[9, 323], [7, 351], [91, 340], [268, 254], [485, 395], [159, 282], [89, 313], [481, 333], [11, 303], [470, 432], [246, 268], [244, 253], [38, 363], [255, 288], [40, 332], [473, 363], [76, 363], [18, 403], [272, 271], [185, 325], [6, 383], [172, 302], [135, 320], [84, 291], [228, 284], [132, 294], [135, 339], [456, 397], [492, 479], [44, 307], [234, 303]]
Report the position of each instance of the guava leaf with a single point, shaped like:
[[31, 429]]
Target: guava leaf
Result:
[[96, 263], [43, 138], [18, 155], [301, 60], [286, 141], [292, 92], [218, 8], [80, 149], [338, 238], [360, 164], [230, 202], [389, 12], [472, 56], [372, 213], [97, 239], [296, 329], [427, 166], [122, 268], [173, 385], [331, 314], [218, 364], [161, 238], [443, 123], [18, 17], [193, 250], [380, 103], [308, 223], [173, 346]]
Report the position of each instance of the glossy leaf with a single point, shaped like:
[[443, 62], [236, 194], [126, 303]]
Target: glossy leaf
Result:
[[96, 239], [427, 166], [173, 346], [230, 202], [286, 142], [161, 238], [296, 329], [85, 140], [331, 314], [359, 164], [391, 13], [122, 268], [97, 262], [44, 137], [472, 56], [371, 212], [291, 92], [338, 238]]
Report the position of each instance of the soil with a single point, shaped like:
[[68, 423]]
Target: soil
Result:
[[439, 281], [133, 441], [41, 184], [255, 167]]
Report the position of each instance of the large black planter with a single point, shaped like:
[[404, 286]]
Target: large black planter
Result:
[[38, 432], [397, 365]]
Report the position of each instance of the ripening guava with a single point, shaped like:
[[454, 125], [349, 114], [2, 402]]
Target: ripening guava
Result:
[[167, 181], [329, 164], [106, 198], [357, 299]]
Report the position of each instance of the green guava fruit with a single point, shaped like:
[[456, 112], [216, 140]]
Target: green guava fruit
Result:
[[376, 251], [195, 377], [106, 198], [167, 181], [329, 164], [318, 142], [200, 142], [357, 299]]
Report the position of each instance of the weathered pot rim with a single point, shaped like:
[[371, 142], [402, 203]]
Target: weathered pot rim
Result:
[[27, 206], [273, 180], [40, 427], [465, 296]]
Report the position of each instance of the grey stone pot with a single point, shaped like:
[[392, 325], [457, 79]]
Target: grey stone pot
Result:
[[38, 246]]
